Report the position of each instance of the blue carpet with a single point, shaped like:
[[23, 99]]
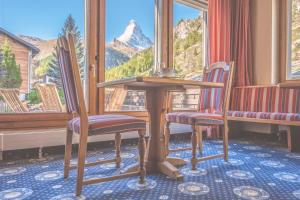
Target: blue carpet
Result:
[[253, 172]]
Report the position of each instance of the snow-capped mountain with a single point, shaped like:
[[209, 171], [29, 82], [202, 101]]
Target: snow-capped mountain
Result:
[[133, 36], [122, 48]]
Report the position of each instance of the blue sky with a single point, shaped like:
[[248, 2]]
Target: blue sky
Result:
[[44, 18]]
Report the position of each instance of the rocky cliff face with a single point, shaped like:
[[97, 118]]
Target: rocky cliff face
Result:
[[185, 27], [188, 48], [113, 57]]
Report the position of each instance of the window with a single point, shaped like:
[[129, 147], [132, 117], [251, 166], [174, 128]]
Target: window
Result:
[[30, 77], [293, 70], [189, 49], [129, 50]]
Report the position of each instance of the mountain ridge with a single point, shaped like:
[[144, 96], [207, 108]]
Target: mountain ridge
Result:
[[187, 47]]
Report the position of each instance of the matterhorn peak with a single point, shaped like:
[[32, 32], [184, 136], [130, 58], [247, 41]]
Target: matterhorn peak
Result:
[[132, 21], [134, 36]]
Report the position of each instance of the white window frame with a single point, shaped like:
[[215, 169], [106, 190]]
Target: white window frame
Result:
[[289, 75]]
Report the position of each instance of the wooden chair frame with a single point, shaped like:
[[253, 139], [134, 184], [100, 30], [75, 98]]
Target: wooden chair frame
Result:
[[11, 97], [68, 45], [50, 97], [197, 137]]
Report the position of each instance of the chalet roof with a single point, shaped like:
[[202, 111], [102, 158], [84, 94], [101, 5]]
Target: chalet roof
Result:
[[34, 49]]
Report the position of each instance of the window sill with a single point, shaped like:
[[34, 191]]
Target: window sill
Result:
[[33, 120], [290, 84]]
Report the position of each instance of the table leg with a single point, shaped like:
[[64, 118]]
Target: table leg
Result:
[[156, 106]]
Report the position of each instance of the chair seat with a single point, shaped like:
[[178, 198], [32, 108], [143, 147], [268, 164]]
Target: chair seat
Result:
[[266, 115], [106, 124], [197, 118]]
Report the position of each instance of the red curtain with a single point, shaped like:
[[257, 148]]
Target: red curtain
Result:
[[241, 43], [230, 36], [219, 29], [230, 40]]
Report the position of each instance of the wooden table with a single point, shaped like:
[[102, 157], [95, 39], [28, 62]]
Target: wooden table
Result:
[[156, 89]]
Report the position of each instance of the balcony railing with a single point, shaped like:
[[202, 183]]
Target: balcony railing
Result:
[[4, 108], [122, 100]]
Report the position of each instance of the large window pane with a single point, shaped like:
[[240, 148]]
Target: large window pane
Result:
[[30, 77], [294, 44], [129, 49], [189, 51]]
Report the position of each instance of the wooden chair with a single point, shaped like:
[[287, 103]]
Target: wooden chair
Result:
[[11, 98], [50, 97], [115, 102], [213, 109], [86, 125]]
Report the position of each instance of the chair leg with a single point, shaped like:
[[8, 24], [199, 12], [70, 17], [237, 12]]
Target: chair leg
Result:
[[289, 139], [142, 150], [118, 149], [167, 137], [225, 141], [81, 162], [194, 147], [68, 153], [200, 139], [147, 143]]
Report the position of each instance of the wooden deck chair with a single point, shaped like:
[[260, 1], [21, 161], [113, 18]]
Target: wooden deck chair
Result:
[[86, 126], [11, 98], [213, 110], [49, 97], [117, 99]]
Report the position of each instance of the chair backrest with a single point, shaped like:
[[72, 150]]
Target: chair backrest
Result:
[[11, 98], [265, 98], [216, 100], [71, 77], [50, 97]]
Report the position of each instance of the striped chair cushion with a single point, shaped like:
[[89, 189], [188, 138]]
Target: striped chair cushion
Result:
[[266, 115], [266, 99], [195, 118], [67, 80], [211, 99], [104, 124]]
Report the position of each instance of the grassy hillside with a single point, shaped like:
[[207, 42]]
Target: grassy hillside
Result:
[[43, 66], [139, 64]]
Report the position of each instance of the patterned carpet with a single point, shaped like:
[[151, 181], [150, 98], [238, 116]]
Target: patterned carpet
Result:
[[253, 172]]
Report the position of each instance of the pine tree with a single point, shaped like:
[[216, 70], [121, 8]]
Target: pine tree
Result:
[[295, 11], [1, 66], [9, 69], [69, 27]]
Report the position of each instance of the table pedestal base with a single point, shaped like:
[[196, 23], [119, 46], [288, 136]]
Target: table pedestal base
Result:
[[164, 167], [178, 162], [168, 169]]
